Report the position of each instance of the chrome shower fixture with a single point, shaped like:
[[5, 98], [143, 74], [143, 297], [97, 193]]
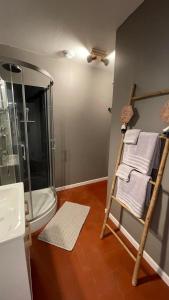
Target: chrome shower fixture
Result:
[[99, 55]]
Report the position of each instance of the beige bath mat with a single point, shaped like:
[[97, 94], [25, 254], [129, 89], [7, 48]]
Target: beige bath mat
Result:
[[64, 228]]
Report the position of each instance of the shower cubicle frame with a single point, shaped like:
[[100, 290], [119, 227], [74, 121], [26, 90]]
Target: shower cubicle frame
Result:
[[30, 66]]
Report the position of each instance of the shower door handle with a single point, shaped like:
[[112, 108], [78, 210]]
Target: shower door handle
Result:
[[4, 142], [23, 151], [53, 144]]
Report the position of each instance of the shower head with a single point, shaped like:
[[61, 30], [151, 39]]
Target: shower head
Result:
[[12, 68]]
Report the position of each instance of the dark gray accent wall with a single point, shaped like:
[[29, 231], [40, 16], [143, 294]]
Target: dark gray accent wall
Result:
[[142, 57], [82, 93]]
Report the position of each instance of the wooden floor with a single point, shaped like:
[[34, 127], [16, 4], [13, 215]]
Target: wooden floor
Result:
[[96, 269]]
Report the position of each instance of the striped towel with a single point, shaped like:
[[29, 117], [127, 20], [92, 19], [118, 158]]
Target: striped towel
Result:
[[142, 155], [124, 172], [134, 193], [131, 136]]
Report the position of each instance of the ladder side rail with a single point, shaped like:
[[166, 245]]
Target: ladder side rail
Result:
[[116, 166]]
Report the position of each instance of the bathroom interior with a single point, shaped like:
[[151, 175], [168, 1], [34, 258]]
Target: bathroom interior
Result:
[[73, 101]]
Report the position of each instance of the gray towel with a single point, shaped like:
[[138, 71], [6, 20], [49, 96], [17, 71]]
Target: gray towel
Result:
[[142, 155], [131, 136], [133, 193], [124, 171]]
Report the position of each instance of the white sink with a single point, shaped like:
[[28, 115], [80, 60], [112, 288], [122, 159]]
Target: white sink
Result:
[[12, 211]]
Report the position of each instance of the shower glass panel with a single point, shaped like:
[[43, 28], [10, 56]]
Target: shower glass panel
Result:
[[38, 134], [10, 153], [26, 135], [40, 140]]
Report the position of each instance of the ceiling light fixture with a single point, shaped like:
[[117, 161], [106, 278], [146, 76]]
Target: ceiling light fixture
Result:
[[111, 56], [99, 55], [81, 52], [68, 54], [78, 52]]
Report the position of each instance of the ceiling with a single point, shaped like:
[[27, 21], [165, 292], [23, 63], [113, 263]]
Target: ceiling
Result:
[[49, 26]]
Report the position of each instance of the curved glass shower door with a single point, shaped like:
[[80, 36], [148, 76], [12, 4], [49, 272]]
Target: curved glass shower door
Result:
[[12, 151], [37, 94], [26, 135]]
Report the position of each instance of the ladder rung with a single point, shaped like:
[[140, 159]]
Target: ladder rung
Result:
[[161, 136], [121, 242], [150, 95], [123, 205], [152, 182]]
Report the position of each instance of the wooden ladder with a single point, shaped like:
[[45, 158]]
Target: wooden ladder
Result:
[[156, 185]]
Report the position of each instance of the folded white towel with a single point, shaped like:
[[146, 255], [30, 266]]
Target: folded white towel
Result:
[[133, 193], [131, 136], [124, 171], [142, 155]]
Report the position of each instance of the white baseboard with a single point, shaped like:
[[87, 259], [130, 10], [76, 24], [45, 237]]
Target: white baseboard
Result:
[[146, 256], [71, 186]]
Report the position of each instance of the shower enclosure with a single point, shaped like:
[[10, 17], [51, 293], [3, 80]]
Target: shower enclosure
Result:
[[27, 147]]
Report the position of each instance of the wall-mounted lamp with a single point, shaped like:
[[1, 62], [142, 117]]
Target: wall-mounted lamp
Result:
[[97, 54]]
